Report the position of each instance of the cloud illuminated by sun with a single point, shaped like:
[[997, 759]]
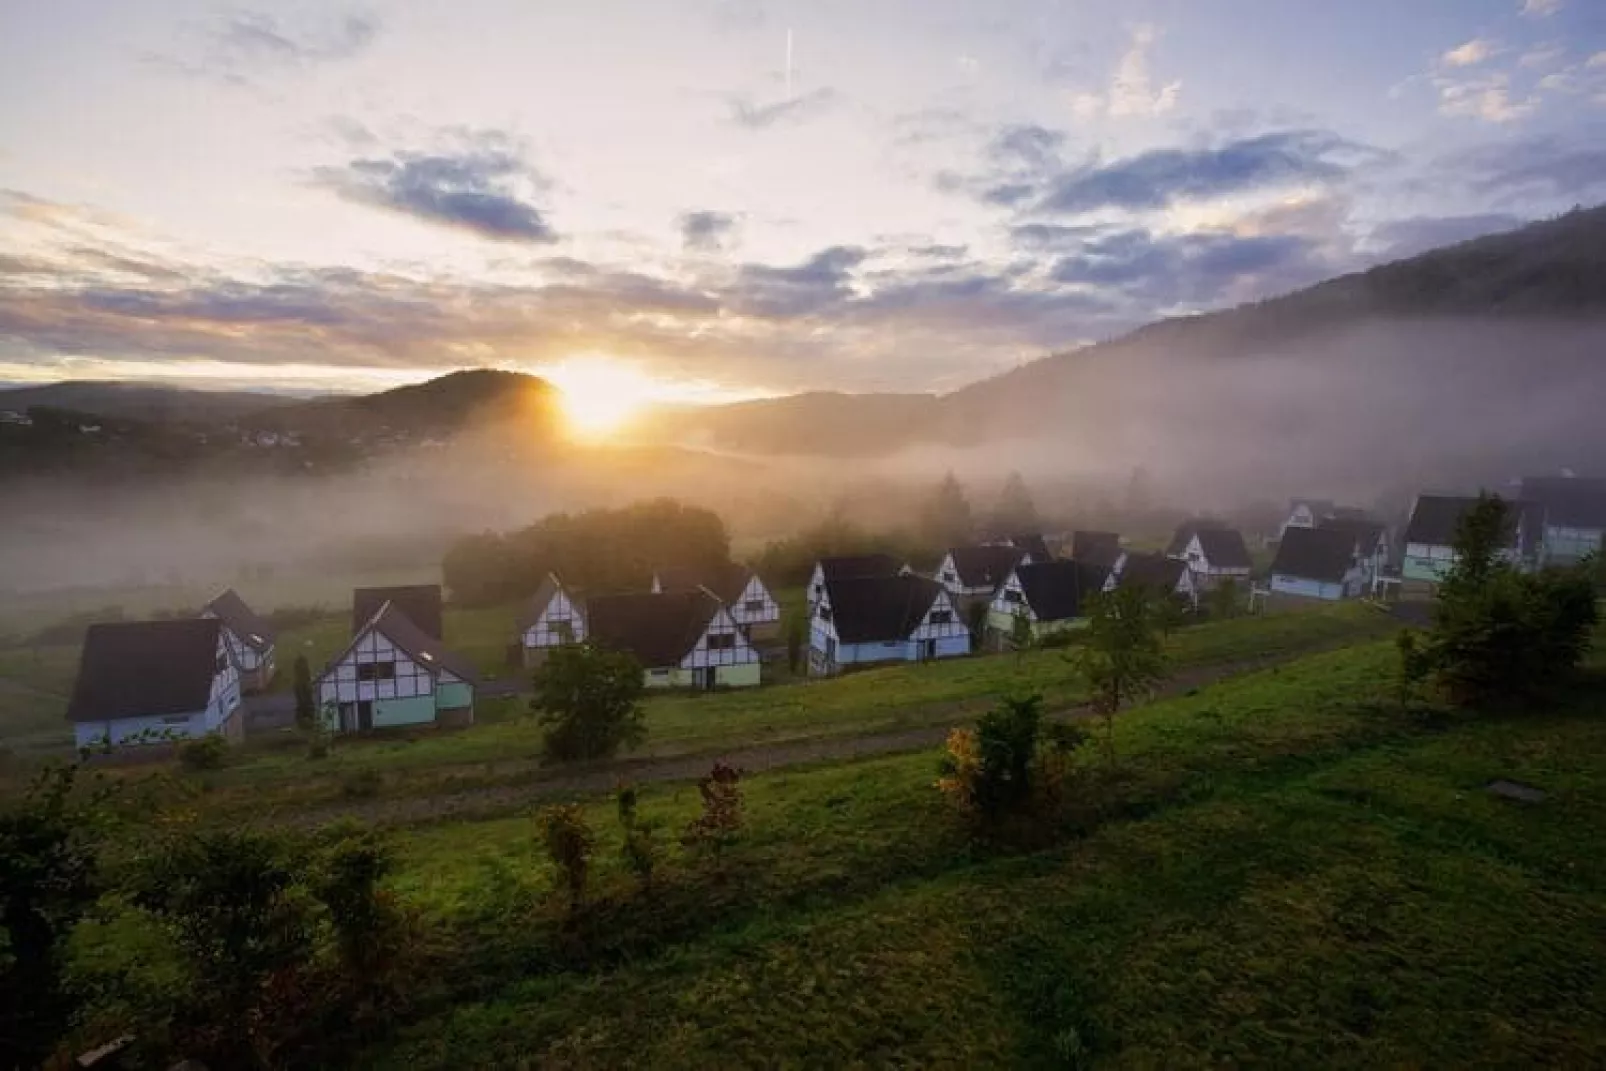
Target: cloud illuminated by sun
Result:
[[603, 394]]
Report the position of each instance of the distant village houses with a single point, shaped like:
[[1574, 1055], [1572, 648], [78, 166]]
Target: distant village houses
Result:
[[150, 682], [249, 638], [394, 673], [683, 639], [750, 603], [550, 619], [870, 619]]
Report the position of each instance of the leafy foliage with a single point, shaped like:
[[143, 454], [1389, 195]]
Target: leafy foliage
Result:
[[208, 752], [589, 699], [348, 881], [721, 793], [1123, 655], [637, 849], [600, 550], [569, 843], [1011, 757]]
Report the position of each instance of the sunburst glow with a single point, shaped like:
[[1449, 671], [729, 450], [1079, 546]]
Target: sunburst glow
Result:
[[602, 394]]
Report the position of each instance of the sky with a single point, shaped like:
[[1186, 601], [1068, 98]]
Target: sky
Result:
[[715, 199]]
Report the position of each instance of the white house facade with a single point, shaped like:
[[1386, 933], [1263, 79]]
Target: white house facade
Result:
[[154, 682], [392, 675]]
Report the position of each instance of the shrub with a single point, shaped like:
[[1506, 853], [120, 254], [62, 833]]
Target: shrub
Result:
[[208, 752], [638, 849], [569, 843], [988, 771], [347, 881], [589, 699], [721, 794], [362, 784]]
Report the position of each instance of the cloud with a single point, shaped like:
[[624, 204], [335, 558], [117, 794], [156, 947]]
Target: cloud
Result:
[[707, 231], [1131, 92], [1517, 170], [1487, 98], [1539, 9], [745, 112], [822, 280], [1597, 61], [480, 186], [242, 46], [1201, 268], [1469, 54], [1028, 148], [1162, 177]]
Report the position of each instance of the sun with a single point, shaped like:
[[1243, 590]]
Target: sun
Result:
[[601, 395]]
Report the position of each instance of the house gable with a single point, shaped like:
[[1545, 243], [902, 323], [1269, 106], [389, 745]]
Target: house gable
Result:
[[723, 643], [558, 622]]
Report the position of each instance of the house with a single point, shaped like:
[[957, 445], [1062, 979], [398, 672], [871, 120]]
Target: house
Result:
[[1051, 596], [850, 567], [1161, 575], [1372, 545], [1574, 516], [550, 619], [974, 574], [394, 674], [1032, 545], [1317, 563], [743, 593], [683, 639], [1096, 548], [1305, 513], [420, 603], [901, 618], [1430, 538], [249, 638], [142, 682], [1214, 555]]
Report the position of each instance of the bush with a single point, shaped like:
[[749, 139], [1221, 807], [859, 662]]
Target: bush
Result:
[[362, 785], [589, 699], [721, 818], [569, 843], [348, 881], [638, 849], [988, 770], [208, 752]]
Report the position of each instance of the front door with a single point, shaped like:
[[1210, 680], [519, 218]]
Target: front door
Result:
[[710, 677], [928, 650]]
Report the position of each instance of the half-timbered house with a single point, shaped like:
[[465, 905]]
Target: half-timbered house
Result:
[[683, 639], [152, 682], [1317, 563], [420, 603], [394, 674], [249, 638], [550, 619], [1163, 576], [1372, 545], [1430, 537], [850, 567], [1214, 555], [902, 618], [750, 603], [974, 574], [1096, 548], [1051, 596]]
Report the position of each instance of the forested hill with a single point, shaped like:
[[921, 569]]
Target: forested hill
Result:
[[1534, 296]]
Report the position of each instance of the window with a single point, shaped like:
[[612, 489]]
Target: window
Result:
[[948, 576], [754, 606], [942, 617], [222, 662], [376, 671], [658, 673], [1011, 595], [561, 629], [825, 612], [721, 641]]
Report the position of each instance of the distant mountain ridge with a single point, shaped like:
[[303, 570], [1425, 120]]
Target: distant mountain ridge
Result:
[[142, 401]]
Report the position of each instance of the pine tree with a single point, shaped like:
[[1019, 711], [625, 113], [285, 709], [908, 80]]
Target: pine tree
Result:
[[1016, 512], [946, 520]]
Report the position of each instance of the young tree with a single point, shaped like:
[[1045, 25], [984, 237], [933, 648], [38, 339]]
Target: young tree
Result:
[[306, 703], [49, 878], [797, 630], [1015, 512], [1021, 636], [1123, 654], [946, 519], [569, 843], [589, 700]]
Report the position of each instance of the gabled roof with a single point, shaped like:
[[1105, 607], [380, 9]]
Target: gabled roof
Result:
[[877, 609], [535, 607], [1155, 571], [1057, 591], [658, 629], [727, 581], [1324, 554], [420, 602], [1223, 548], [1034, 546], [1367, 534], [1434, 519], [1569, 501], [1319, 507], [239, 619], [848, 566], [1185, 532], [984, 566], [145, 668], [392, 622], [1096, 548]]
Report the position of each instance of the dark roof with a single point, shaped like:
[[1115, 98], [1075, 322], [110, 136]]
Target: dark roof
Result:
[[1152, 571], [420, 602], [1185, 532], [658, 629], [392, 621], [1096, 548], [1366, 534], [984, 566], [874, 609], [1059, 590], [1319, 507], [856, 565], [727, 581], [537, 603], [142, 668], [1569, 501], [1324, 554], [241, 620], [1223, 548], [1434, 519], [1034, 545]]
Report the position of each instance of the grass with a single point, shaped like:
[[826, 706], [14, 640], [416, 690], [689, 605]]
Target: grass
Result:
[[1287, 871], [892, 698]]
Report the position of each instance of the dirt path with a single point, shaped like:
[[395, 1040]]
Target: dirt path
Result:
[[604, 777]]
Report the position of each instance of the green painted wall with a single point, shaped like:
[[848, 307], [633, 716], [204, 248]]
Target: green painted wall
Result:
[[745, 676], [452, 696], [389, 713]]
